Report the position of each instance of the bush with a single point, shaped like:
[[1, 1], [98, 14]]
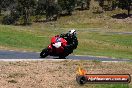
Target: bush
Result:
[[11, 18], [8, 20]]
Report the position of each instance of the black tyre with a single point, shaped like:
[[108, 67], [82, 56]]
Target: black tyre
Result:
[[81, 80], [44, 53]]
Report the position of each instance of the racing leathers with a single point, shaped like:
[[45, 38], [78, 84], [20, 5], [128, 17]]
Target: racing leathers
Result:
[[72, 42]]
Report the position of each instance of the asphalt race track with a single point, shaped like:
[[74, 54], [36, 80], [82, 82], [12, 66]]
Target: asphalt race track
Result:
[[4, 54]]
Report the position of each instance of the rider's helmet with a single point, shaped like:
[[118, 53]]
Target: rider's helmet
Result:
[[72, 32]]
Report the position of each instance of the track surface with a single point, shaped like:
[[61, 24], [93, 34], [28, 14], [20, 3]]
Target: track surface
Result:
[[35, 56]]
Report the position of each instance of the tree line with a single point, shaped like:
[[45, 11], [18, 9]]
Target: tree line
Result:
[[15, 10]]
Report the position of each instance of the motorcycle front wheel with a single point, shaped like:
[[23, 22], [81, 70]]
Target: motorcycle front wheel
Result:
[[44, 53]]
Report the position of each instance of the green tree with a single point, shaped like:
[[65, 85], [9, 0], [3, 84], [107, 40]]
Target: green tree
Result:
[[52, 10], [49, 8], [4, 4], [125, 4], [108, 4], [9, 5], [0, 6], [41, 7], [26, 8], [84, 4], [67, 5]]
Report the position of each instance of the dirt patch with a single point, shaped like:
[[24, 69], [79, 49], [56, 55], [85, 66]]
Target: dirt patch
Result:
[[54, 74]]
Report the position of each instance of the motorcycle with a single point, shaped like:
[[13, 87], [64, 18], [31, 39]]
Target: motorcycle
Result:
[[56, 48]]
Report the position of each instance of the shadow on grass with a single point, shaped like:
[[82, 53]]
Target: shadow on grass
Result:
[[45, 21], [81, 9], [121, 16], [98, 12]]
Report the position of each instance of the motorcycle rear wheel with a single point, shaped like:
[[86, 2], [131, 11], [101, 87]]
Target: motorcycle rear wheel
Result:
[[44, 53]]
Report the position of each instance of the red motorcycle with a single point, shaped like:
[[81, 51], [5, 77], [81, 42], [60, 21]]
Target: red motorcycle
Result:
[[56, 48]]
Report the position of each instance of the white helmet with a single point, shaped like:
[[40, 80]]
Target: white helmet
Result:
[[72, 32]]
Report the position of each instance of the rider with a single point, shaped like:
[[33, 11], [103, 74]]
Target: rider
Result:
[[71, 38]]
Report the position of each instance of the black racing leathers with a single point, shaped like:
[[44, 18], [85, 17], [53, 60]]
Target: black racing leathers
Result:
[[72, 42]]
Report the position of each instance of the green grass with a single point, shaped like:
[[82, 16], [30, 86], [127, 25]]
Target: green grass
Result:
[[114, 45], [93, 34], [20, 39], [112, 86], [106, 86]]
